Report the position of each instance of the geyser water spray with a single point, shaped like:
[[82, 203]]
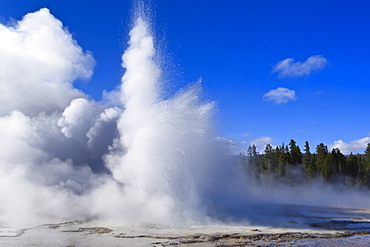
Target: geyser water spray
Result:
[[169, 157], [145, 160]]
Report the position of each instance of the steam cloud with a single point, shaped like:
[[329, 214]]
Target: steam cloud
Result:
[[39, 62], [64, 156], [52, 137]]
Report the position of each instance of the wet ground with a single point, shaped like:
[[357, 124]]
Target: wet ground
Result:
[[273, 225]]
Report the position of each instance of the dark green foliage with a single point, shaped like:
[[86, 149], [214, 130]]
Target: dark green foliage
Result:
[[362, 178], [284, 161], [322, 166], [254, 160], [339, 165], [295, 155], [270, 162], [367, 159], [308, 161], [352, 166]]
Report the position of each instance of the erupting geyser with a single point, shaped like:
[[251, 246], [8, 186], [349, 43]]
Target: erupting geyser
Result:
[[167, 151], [155, 160]]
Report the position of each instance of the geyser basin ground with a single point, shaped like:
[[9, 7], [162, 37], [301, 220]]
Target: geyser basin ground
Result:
[[295, 225]]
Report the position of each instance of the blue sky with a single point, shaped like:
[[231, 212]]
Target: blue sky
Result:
[[235, 46]]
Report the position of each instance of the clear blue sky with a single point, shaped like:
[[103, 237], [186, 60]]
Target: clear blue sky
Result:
[[235, 46]]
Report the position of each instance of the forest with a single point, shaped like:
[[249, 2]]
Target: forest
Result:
[[288, 164]]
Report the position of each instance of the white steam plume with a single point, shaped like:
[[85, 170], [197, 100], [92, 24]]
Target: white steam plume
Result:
[[66, 157], [52, 140], [39, 61]]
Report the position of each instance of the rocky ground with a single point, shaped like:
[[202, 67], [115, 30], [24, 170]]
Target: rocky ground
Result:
[[74, 234], [292, 226], [253, 237], [237, 239]]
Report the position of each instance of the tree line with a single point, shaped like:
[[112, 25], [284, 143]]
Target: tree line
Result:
[[287, 162]]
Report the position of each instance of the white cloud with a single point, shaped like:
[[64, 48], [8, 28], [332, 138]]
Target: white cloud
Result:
[[39, 61], [280, 95], [289, 68], [353, 146]]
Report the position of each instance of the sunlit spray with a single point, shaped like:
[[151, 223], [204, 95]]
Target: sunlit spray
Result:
[[169, 155]]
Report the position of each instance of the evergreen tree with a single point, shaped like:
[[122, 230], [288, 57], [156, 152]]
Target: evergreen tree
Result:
[[308, 161], [270, 160], [367, 157], [252, 155], [255, 161], [282, 160], [352, 166], [339, 162], [367, 152], [252, 151], [322, 167], [355, 168], [326, 168], [362, 177], [278, 154], [295, 156]]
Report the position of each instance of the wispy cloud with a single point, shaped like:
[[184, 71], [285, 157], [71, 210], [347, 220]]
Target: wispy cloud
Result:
[[261, 142], [280, 95], [289, 68], [354, 146]]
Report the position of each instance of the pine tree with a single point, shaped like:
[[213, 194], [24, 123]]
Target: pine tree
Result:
[[352, 166], [255, 161], [252, 156], [269, 158], [326, 168], [367, 157], [366, 165], [321, 153], [295, 153], [362, 178], [308, 161], [282, 154], [339, 162]]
